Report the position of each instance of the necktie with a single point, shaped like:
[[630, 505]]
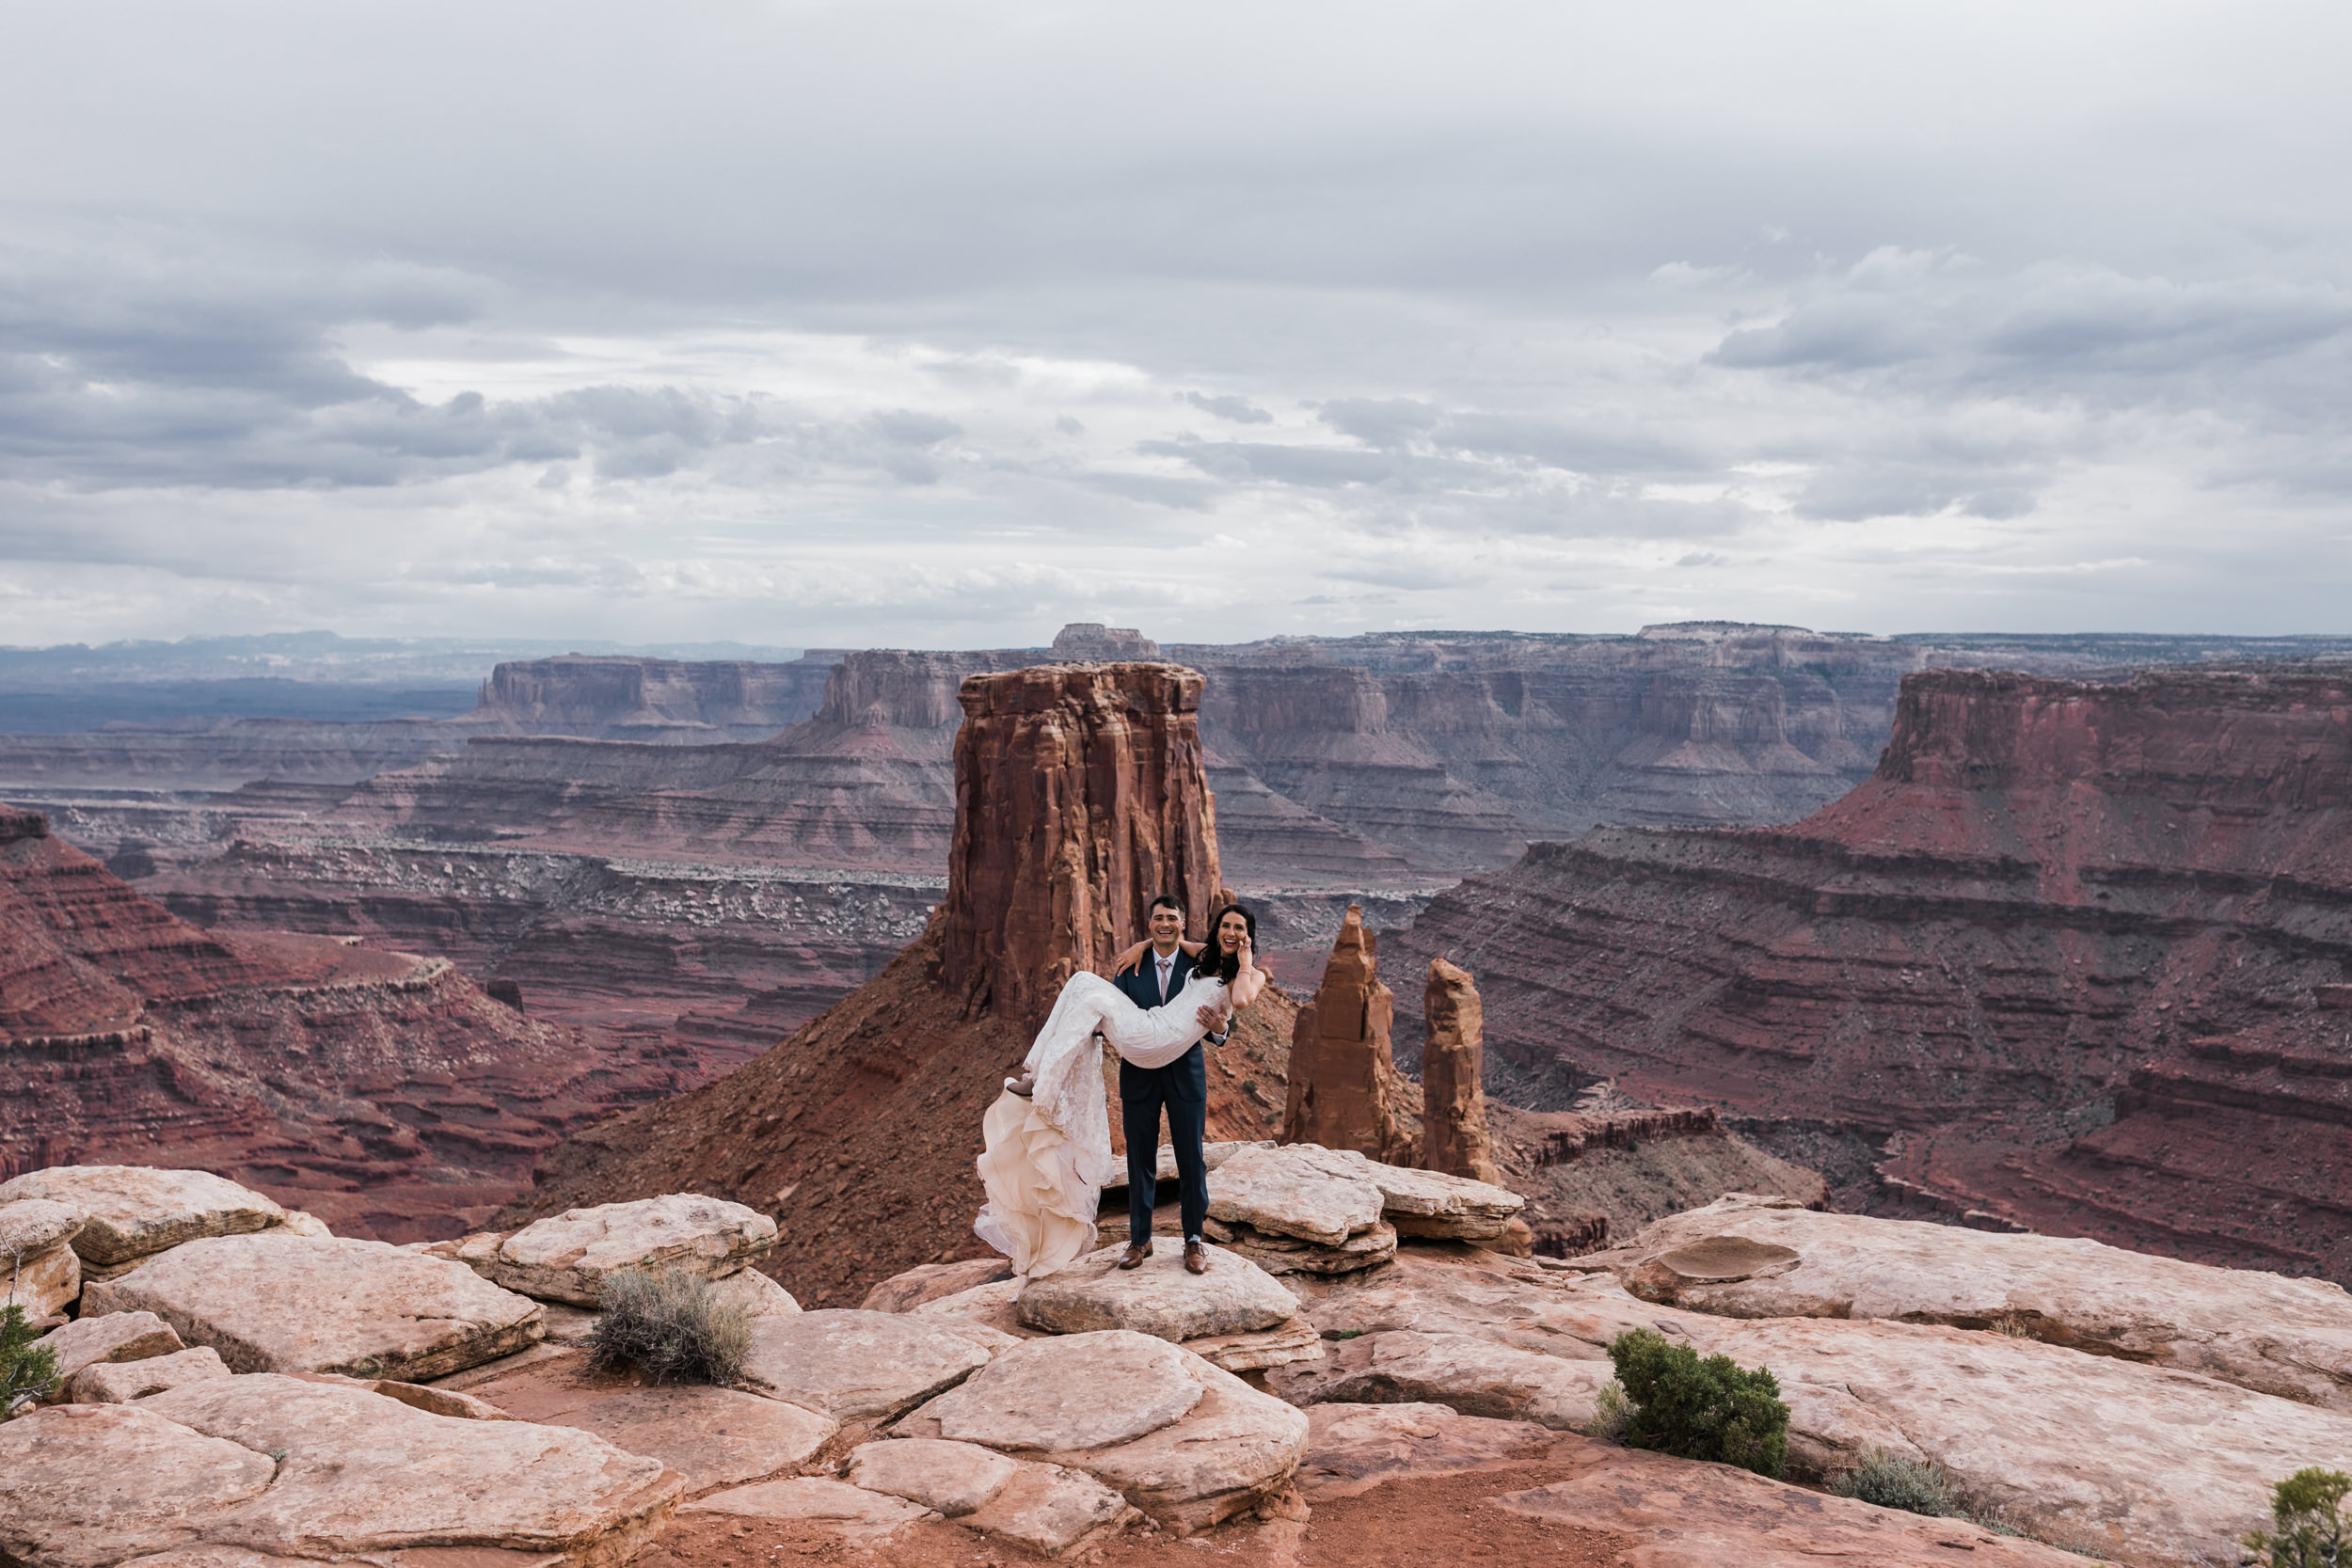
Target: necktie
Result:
[[1166, 964]]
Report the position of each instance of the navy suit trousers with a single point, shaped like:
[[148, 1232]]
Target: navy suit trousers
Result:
[[1187, 1120]]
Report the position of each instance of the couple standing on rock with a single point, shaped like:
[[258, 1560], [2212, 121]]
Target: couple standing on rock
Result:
[[1048, 1136]]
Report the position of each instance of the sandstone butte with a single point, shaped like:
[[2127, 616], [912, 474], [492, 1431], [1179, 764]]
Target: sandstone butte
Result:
[[378, 1090], [2073, 958], [1344, 1089], [1084, 794]]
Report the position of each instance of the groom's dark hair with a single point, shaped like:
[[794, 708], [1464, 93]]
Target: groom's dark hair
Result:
[[1165, 900]]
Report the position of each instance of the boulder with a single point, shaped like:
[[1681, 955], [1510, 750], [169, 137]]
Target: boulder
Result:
[[1160, 1297], [294, 1303], [129, 1211], [1188, 1444], [565, 1257], [1689, 1515], [904, 1292], [711, 1436], [2287, 1336], [1052, 1511], [1288, 1192], [1351, 1448], [115, 1337], [949, 1479], [86, 1485], [120, 1381], [993, 1305], [757, 1294], [39, 1270], [1279, 1255], [852, 1513], [288, 1469], [1473, 1376], [852, 1366]]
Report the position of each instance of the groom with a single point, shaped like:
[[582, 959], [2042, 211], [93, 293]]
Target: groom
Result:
[[1182, 1086]]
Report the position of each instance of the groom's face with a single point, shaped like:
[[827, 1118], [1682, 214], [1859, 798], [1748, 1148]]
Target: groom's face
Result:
[[1168, 928]]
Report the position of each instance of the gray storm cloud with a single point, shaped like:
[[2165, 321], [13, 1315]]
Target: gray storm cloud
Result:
[[929, 322]]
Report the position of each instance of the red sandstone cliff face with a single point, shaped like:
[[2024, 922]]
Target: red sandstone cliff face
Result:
[[1973, 956], [1081, 795], [375, 1090], [652, 699]]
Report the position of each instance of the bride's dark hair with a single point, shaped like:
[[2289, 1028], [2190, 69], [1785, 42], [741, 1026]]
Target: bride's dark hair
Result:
[[1214, 959]]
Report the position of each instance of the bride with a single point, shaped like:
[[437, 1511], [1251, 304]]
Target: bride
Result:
[[1048, 1136]]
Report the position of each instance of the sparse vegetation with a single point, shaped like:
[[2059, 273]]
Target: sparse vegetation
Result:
[[1611, 1413], [2307, 1509], [1890, 1481], [26, 1370], [672, 1325], [1711, 1409]]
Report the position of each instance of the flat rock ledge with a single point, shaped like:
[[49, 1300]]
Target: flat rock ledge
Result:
[[312, 1472], [565, 1257], [282, 1303], [1278, 1254], [1159, 1297], [848, 1512], [854, 1366], [1470, 1376], [120, 1381], [115, 1337], [1050, 1509], [131, 1212], [1186, 1443]]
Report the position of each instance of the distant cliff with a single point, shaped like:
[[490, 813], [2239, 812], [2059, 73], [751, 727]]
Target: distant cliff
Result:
[[2060, 926]]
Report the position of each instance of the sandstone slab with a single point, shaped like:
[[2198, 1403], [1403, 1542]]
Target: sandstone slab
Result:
[[1279, 1255], [853, 1365], [1676, 1514], [904, 1292], [1473, 1376], [711, 1436], [86, 1485], [114, 1337], [1159, 1297], [757, 1294], [120, 1381], [1296, 1340], [129, 1211], [1187, 1443], [1053, 1510], [39, 1270], [294, 1303], [361, 1473], [993, 1305], [565, 1257], [950, 1479], [1351, 1448], [1290, 1191], [849, 1512], [1407, 1192], [2282, 1335]]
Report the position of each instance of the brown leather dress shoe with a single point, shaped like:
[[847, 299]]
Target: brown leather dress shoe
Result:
[[1135, 1255], [1195, 1258]]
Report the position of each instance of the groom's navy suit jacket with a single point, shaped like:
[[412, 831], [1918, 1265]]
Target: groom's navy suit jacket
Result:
[[1185, 1079]]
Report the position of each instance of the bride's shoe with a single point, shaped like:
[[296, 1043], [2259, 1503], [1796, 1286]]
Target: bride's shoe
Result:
[[1025, 1086]]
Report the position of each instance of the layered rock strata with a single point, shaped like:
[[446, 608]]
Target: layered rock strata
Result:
[[2001, 959]]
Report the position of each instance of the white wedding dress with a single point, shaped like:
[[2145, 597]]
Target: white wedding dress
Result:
[[1046, 1158]]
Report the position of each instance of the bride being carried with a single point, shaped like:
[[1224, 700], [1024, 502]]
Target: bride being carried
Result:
[[1048, 1137]]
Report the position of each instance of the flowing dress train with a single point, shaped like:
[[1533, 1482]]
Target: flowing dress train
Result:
[[1046, 1158]]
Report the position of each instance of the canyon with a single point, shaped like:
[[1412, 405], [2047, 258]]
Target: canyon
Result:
[[2073, 959]]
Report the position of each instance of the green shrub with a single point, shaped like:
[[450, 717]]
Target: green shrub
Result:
[[1710, 1409], [2307, 1508], [1611, 1413], [26, 1370], [673, 1324], [1891, 1482]]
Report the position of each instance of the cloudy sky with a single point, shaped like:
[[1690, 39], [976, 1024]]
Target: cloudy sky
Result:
[[877, 323]]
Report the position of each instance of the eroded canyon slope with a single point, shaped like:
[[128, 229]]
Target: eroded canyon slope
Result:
[[2072, 957], [1081, 794], [381, 1091]]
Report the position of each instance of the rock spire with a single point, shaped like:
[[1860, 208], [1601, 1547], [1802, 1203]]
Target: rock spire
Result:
[[1454, 1102], [1080, 796], [1344, 1089]]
